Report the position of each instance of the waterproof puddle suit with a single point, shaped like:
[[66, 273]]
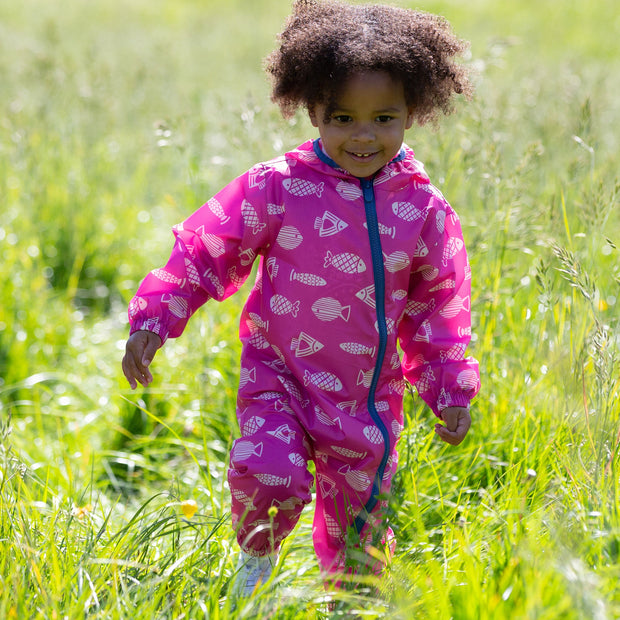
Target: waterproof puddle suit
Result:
[[349, 270]]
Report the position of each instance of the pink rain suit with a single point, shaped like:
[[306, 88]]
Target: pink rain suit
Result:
[[350, 270]]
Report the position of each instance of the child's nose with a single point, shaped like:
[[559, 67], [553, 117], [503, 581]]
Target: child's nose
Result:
[[364, 132]]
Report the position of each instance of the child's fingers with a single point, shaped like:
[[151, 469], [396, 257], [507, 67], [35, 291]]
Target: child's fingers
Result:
[[458, 423], [139, 353]]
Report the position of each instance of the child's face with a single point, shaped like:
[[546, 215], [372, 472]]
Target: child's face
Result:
[[366, 128]]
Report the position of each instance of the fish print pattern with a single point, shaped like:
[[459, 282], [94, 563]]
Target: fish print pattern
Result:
[[309, 330], [330, 309], [329, 224], [346, 262], [304, 345], [301, 187]]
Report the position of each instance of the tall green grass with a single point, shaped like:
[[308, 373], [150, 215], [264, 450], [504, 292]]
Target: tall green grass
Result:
[[116, 121]]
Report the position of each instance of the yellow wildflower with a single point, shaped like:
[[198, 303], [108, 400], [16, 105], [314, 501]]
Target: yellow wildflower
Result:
[[189, 508]]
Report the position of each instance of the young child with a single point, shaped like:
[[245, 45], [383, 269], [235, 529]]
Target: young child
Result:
[[358, 255]]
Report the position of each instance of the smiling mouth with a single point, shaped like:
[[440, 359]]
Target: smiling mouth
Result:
[[362, 155]]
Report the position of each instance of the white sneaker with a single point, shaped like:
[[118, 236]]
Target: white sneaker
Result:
[[251, 572]]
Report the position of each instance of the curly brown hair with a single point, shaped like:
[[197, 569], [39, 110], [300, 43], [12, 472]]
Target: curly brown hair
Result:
[[324, 42]]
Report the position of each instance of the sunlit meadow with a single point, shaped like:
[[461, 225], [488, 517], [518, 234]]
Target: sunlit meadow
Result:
[[117, 119]]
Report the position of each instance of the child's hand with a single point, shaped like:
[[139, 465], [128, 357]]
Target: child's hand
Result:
[[139, 352], [457, 421]]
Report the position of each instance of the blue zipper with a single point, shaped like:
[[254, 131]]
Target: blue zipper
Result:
[[379, 279]]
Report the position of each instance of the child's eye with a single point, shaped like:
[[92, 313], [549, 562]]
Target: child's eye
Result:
[[384, 118], [342, 118]]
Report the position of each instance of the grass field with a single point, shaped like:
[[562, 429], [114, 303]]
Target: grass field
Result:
[[117, 119]]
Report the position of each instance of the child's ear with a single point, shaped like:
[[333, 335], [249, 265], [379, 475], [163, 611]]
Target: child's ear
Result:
[[410, 117], [312, 115]]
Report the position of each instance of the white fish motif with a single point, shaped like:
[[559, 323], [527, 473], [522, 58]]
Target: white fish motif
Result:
[[323, 380], [234, 277], [244, 499], [454, 353], [440, 221], [302, 187], [333, 529], [365, 377], [356, 479], [293, 390], [446, 284], [245, 449], [256, 177], [192, 273], [247, 376], [426, 379], [467, 379], [321, 456], [464, 331], [367, 295], [428, 272], [453, 247], [217, 210], [397, 386], [349, 191], [272, 480], [250, 218], [330, 309], [345, 262], [309, 279], [278, 365], [455, 306], [305, 345], [151, 325], [324, 419], [136, 305], [349, 406], [389, 325], [272, 267], [269, 395], [258, 341], [420, 249], [247, 256], [214, 244], [355, 348], [407, 211], [289, 237], [386, 174], [288, 504], [397, 428], [327, 486], [348, 453], [395, 361], [382, 406], [253, 425], [424, 333], [210, 275], [415, 308], [166, 276], [396, 261], [281, 305], [259, 322], [273, 209], [444, 399], [296, 459], [177, 305], [389, 231], [284, 433], [373, 434], [329, 224]]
